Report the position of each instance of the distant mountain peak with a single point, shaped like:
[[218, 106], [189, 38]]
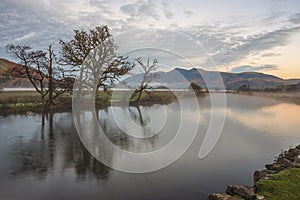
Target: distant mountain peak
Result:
[[256, 80]]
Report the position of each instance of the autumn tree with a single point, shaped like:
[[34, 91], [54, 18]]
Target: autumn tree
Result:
[[38, 67], [148, 75], [94, 52]]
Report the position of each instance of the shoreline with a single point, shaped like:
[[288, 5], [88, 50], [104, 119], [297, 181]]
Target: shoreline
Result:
[[21, 102], [274, 182], [290, 97]]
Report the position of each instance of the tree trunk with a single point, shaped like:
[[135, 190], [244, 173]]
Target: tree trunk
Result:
[[43, 103], [139, 97], [50, 86]]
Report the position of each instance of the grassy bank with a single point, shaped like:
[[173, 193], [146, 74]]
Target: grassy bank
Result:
[[283, 185], [24, 101]]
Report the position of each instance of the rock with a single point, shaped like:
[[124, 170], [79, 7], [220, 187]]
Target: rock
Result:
[[275, 167], [216, 196], [291, 153], [263, 174], [242, 191], [258, 197], [269, 166], [270, 171], [285, 162], [258, 175], [294, 151], [297, 159]]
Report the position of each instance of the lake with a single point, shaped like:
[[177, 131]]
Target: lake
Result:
[[45, 159]]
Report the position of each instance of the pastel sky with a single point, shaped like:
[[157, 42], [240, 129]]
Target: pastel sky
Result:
[[231, 35]]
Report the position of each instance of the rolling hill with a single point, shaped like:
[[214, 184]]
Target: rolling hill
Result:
[[178, 78], [7, 80]]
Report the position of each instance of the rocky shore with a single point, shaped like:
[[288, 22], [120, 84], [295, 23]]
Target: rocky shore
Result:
[[287, 159]]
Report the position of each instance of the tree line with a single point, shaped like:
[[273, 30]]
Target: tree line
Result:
[[53, 74]]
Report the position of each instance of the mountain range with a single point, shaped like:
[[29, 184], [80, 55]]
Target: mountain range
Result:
[[177, 78]]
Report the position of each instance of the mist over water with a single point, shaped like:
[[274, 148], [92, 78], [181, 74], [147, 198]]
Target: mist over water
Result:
[[48, 161]]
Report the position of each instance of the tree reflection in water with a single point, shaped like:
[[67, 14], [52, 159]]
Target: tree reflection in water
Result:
[[53, 148]]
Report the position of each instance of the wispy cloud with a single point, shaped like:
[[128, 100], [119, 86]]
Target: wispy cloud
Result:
[[25, 37], [249, 68], [227, 48], [226, 41]]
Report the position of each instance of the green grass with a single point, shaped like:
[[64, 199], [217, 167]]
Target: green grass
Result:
[[153, 96], [19, 97], [281, 186], [21, 107], [29, 100]]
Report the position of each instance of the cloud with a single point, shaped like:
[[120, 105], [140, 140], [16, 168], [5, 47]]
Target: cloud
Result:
[[140, 9], [295, 18], [226, 47], [40, 23], [25, 37], [271, 54], [166, 9], [174, 25], [27, 4], [25, 26], [248, 68], [188, 13]]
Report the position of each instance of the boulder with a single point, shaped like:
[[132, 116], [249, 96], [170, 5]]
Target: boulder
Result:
[[216, 196], [260, 197], [263, 174], [242, 191], [285, 162], [297, 159], [289, 155], [275, 167]]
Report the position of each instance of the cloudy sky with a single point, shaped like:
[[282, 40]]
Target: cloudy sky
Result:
[[231, 35]]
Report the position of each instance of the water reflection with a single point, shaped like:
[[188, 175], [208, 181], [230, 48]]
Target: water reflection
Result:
[[43, 157], [54, 145], [281, 119]]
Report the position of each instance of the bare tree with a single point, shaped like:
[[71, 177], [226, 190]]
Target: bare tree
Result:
[[96, 52], [31, 66], [37, 66], [148, 76]]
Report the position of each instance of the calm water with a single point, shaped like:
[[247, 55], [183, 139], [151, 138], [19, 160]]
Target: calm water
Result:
[[46, 160]]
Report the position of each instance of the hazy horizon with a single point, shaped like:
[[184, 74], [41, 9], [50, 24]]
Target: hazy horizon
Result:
[[238, 36]]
